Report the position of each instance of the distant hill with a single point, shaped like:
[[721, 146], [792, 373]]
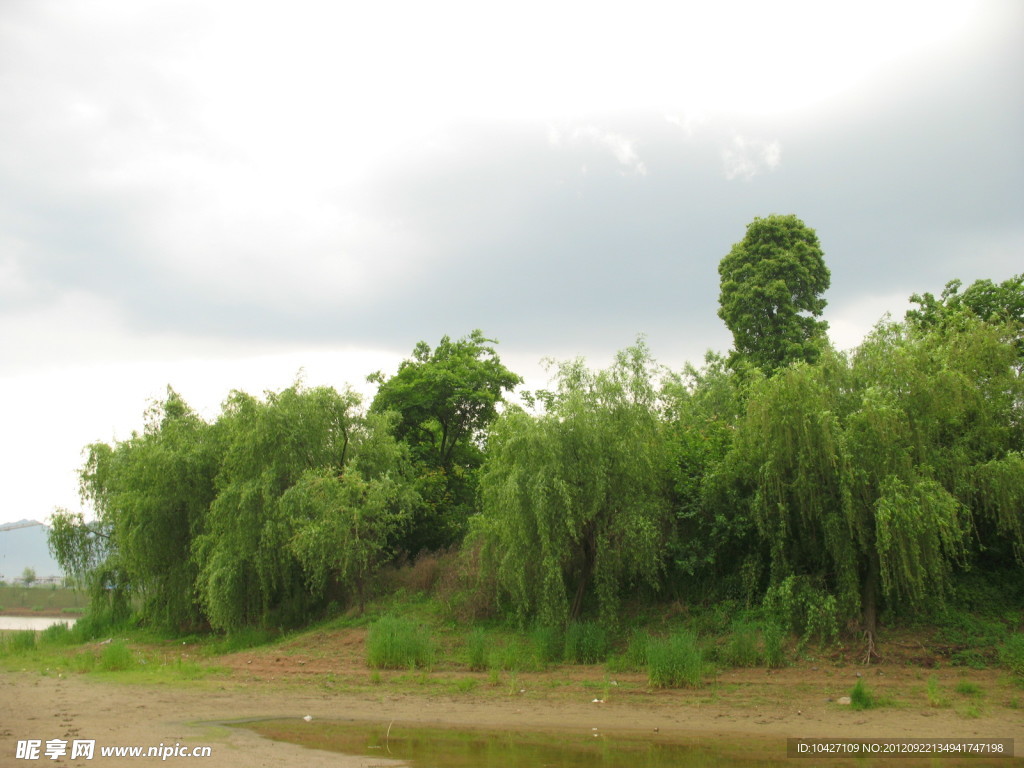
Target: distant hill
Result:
[[23, 545]]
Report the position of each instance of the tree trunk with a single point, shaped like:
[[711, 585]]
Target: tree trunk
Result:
[[869, 604]]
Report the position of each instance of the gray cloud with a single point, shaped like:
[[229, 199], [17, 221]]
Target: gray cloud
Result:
[[571, 236]]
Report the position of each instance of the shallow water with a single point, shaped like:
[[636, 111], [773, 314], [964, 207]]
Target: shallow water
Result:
[[449, 748], [40, 623], [436, 747]]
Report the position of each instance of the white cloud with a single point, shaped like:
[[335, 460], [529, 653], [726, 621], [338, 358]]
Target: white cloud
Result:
[[621, 148], [744, 158], [851, 321]]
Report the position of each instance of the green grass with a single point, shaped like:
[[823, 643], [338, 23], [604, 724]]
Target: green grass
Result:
[[967, 688], [741, 649], [934, 695], [516, 655], [20, 642], [586, 642], [57, 635], [675, 661], [115, 657], [548, 643], [861, 697], [395, 642], [774, 638], [1011, 654], [42, 598], [634, 657], [240, 640], [478, 648]]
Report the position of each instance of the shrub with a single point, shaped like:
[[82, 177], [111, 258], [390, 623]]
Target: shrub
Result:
[[967, 688], [479, 648], [116, 657], [675, 661], [773, 636], [635, 656], [586, 642], [398, 643], [861, 697], [56, 634], [23, 640], [1011, 654], [549, 644], [515, 656], [741, 648]]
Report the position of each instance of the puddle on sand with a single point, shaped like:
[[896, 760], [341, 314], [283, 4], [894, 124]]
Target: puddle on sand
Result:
[[436, 747], [449, 748]]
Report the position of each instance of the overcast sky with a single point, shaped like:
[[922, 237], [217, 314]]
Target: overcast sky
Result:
[[215, 195]]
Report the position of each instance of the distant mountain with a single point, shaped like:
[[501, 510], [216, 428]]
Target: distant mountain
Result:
[[23, 545]]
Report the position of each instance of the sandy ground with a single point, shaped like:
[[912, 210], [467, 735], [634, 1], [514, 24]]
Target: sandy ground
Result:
[[327, 680]]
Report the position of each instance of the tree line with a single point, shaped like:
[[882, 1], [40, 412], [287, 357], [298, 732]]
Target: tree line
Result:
[[832, 488]]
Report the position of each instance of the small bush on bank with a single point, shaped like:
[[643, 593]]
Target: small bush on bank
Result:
[[586, 642], [1011, 654], [861, 696], [675, 661], [399, 643], [116, 657], [479, 649]]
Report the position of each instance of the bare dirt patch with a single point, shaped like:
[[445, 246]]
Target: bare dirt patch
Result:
[[323, 675]]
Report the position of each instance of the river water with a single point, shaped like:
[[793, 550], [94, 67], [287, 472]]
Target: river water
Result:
[[33, 622]]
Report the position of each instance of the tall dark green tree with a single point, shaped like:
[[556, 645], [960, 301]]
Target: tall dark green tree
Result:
[[445, 398], [772, 283]]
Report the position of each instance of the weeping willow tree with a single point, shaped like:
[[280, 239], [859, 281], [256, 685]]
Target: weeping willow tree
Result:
[[150, 493], [574, 501], [789, 457], [872, 477], [248, 572]]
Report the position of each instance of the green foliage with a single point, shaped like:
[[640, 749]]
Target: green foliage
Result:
[[1011, 654], [344, 523], [773, 637], [21, 641], [741, 649], [934, 695], [151, 493], [983, 299], [967, 688], [861, 696], [549, 643], [712, 535], [574, 502], [116, 657], [797, 605], [56, 635], [586, 642], [399, 643], [445, 399], [868, 478], [248, 570], [241, 639], [635, 656], [479, 650], [772, 283], [675, 661]]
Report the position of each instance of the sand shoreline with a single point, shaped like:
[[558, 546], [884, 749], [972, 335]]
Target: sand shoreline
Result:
[[786, 704]]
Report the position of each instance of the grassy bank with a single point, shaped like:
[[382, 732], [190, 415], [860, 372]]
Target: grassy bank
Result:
[[45, 600]]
